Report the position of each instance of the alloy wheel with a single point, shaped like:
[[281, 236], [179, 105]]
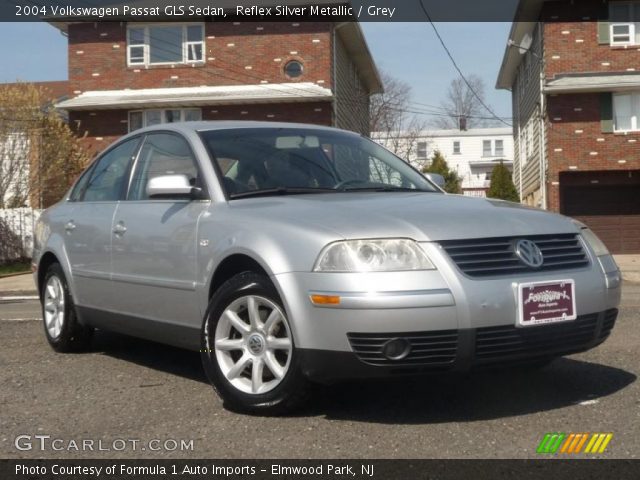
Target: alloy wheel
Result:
[[253, 344], [54, 306]]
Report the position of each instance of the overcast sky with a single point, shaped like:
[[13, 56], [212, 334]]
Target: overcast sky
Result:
[[408, 51]]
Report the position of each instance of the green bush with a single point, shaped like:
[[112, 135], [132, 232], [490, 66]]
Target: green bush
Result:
[[502, 186], [439, 165]]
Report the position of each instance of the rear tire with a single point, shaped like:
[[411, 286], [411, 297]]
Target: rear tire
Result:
[[248, 351], [61, 327]]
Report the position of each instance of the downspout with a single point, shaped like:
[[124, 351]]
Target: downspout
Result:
[[517, 119], [543, 144], [334, 74]]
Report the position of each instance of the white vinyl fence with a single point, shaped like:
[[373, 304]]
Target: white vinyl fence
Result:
[[16, 233]]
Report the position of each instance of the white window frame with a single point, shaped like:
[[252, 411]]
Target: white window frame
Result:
[[495, 148], [422, 150], [631, 35], [633, 11], [163, 115], [634, 100], [484, 152], [186, 45], [457, 151]]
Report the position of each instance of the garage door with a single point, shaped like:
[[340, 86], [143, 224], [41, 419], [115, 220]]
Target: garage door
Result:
[[612, 211]]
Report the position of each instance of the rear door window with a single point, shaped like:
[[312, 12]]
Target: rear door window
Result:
[[109, 176]]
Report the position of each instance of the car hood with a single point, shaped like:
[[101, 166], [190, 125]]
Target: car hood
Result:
[[420, 216]]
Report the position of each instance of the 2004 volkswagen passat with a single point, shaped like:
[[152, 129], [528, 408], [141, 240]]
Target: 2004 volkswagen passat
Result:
[[288, 254]]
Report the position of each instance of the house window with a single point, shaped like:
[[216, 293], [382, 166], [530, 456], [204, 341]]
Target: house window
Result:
[[293, 69], [626, 111], [456, 147], [422, 150], [625, 23], [146, 118], [499, 148], [165, 44], [486, 148], [526, 142]]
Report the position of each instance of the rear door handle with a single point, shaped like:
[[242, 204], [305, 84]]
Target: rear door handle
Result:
[[70, 226], [119, 229]]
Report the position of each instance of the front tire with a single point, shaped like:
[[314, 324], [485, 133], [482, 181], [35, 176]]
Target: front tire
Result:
[[61, 327], [248, 351]]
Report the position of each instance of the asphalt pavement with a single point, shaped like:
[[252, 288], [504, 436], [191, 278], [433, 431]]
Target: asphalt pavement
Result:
[[132, 390]]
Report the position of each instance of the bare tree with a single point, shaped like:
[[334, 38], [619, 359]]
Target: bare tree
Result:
[[39, 155], [462, 105], [391, 120]]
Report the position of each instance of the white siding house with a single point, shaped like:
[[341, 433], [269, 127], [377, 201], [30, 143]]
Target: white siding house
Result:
[[472, 153]]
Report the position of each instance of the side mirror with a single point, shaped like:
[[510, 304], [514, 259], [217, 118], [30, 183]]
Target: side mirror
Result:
[[437, 179], [171, 186]]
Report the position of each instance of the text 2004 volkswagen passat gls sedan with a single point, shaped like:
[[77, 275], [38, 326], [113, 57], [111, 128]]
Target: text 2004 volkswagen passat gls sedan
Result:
[[288, 254]]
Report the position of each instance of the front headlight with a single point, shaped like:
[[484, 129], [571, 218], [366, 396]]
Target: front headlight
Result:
[[388, 255], [598, 247]]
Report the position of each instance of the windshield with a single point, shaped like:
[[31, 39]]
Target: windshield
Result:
[[262, 161]]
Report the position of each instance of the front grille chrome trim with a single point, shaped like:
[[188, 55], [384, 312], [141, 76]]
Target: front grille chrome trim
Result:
[[494, 257]]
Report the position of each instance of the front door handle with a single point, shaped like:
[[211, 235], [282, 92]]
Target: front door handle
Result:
[[119, 229], [70, 226]]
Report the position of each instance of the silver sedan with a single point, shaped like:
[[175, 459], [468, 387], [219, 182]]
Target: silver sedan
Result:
[[291, 254]]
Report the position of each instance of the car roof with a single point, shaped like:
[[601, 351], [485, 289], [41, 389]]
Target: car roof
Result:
[[211, 125]]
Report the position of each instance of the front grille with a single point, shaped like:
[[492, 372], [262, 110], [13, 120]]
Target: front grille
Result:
[[486, 257], [499, 343], [608, 323], [431, 349]]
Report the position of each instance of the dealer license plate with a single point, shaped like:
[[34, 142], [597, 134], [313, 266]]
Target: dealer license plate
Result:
[[546, 302]]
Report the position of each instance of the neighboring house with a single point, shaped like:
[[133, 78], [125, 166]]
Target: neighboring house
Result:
[[471, 153], [19, 152], [576, 103], [124, 76]]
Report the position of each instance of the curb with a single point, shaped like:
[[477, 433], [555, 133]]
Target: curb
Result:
[[17, 298], [13, 294], [15, 274], [631, 277]]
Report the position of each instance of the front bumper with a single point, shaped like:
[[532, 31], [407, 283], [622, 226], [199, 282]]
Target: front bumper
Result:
[[459, 351], [455, 321]]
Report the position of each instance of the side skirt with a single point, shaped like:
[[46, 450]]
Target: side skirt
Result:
[[161, 332]]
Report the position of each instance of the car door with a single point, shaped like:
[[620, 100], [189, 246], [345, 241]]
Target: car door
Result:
[[87, 226], [154, 239]]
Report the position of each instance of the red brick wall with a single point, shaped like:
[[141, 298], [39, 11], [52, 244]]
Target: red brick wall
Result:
[[98, 57], [573, 125], [579, 51], [101, 127], [98, 129]]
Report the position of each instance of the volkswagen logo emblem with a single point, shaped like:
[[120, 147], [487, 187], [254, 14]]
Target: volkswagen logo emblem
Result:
[[255, 344], [529, 253]]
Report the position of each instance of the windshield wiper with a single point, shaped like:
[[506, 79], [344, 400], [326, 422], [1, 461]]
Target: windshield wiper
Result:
[[272, 192], [382, 189]]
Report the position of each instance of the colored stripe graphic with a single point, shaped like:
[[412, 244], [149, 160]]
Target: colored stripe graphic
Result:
[[581, 443], [550, 443], [605, 442], [574, 442], [598, 442], [569, 442]]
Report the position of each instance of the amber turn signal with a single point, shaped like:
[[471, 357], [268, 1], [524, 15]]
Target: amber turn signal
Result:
[[325, 299]]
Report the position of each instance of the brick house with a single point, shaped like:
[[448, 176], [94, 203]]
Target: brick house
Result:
[[123, 76], [575, 83]]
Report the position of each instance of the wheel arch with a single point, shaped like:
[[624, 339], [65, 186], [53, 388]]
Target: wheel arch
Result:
[[49, 257], [233, 265], [46, 260]]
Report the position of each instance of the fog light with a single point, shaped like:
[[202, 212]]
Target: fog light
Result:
[[396, 349]]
